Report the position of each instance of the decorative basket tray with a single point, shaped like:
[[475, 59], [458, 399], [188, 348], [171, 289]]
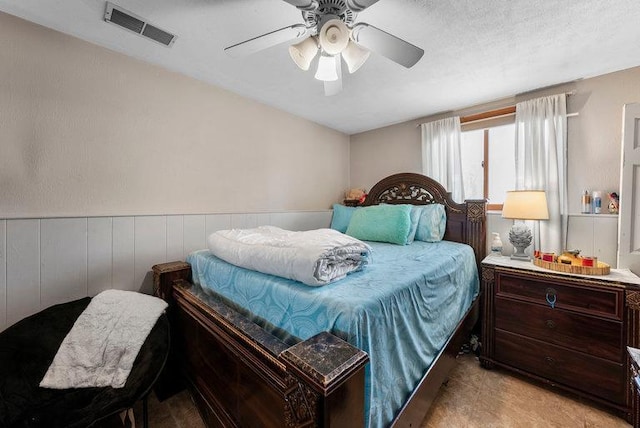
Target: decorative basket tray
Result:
[[601, 269]]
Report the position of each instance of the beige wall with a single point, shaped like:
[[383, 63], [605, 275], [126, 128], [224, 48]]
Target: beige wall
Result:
[[594, 140], [85, 131]]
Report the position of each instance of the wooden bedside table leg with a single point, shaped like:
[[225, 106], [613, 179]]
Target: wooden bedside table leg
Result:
[[632, 313], [486, 344]]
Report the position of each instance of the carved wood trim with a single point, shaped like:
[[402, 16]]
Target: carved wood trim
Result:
[[301, 404], [633, 300], [487, 292]]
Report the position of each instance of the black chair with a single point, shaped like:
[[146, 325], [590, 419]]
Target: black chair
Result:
[[27, 349]]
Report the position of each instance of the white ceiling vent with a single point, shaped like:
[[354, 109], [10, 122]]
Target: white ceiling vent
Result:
[[127, 20]]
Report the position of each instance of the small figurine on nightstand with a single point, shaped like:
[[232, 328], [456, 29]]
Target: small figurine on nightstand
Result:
[[614, 203], [496, 244]]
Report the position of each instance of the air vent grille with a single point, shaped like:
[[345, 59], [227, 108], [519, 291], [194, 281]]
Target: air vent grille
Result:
[[157, 34], [125, 19]]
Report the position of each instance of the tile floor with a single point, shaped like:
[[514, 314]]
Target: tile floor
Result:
[[472, 398]]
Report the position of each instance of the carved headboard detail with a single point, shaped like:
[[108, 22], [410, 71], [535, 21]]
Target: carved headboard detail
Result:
[[466, 222]]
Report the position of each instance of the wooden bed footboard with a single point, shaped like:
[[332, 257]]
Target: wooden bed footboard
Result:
[[241, 376]]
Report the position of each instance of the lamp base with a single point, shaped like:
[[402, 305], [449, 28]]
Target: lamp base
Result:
[[522, 258], [520, 237]]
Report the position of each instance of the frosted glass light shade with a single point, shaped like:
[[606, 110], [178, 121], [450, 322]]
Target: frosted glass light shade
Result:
[[303, 53], [334, 36], [355, 55], [327, 70], [525, 205]]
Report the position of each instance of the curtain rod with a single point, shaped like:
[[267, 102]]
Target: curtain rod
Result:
[[497, 114]]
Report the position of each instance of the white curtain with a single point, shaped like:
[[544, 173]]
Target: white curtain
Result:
[[441, 158], [541, 164]]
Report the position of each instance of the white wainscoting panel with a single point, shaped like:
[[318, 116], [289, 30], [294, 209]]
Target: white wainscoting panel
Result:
[[595, 235], [216, 222], [243, 221], [99, 254], [580, 234], [23, 269], [302, 220], [49, 261], [123, 269], [3, 274], [150, 248], [194, 234], [175, 237], [63, 260]]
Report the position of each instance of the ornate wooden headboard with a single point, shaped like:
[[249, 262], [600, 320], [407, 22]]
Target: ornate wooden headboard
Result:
[[466, 222]]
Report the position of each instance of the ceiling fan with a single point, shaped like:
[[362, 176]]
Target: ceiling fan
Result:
[[329, 29]]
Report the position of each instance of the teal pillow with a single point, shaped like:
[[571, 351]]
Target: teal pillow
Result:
[[341, 217], [381, 223], [432, 223], [416, 211]]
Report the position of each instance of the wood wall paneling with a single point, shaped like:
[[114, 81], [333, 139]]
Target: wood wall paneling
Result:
[[194, 235], [215, 222], [23, 269], [99, 254], [48, 261], [605, 232], [175, 237], [580, 234], [3, 274], [63, 260], [123, 269], [150, 237]]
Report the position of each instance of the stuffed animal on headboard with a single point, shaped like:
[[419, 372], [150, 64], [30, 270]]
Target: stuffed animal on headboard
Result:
[[357, 195]]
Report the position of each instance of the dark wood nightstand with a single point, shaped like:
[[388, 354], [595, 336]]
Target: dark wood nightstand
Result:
[[568, 331]]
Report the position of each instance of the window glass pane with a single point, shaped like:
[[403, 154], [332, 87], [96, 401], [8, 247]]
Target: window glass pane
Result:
[[502, 168], [472, 157]]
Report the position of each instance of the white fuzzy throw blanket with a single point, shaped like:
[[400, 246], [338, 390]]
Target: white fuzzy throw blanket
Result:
[[104, 341]]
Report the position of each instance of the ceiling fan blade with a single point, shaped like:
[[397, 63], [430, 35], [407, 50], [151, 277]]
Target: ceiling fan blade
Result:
[[304, 4], [266, 40], [394, 48], [334, 86], [359, 5]]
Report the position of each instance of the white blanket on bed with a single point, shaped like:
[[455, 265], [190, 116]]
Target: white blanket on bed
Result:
[[314, 257], [104, 342]]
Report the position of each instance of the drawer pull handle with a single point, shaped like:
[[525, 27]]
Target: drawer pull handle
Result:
[[550, 324], [550, 361], [551, 297]]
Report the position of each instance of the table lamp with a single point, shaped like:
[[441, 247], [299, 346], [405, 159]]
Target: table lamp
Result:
[[524, 205]]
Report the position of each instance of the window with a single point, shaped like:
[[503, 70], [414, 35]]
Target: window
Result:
[[488, 158]]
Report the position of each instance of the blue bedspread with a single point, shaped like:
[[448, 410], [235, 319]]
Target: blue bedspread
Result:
[[401, 310]]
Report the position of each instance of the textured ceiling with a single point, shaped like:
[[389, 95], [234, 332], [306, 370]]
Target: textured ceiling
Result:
[[475, 51]]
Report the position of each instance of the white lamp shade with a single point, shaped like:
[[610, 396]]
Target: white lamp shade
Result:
[[303, 53], [327, 70], [334, 36], [526, 205], [354, 55]]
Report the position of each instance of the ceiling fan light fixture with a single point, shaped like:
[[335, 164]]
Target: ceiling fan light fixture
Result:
[[334, 36], [327, 70], [355, 55], [304, 52]]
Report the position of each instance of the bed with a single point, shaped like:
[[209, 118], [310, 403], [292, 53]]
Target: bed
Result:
[[245, 366]]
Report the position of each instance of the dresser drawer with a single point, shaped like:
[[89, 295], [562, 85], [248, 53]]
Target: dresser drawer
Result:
[[584, 372], [594, 300], [596, 336]]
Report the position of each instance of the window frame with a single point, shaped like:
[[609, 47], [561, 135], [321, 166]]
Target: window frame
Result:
[[497, 117]]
